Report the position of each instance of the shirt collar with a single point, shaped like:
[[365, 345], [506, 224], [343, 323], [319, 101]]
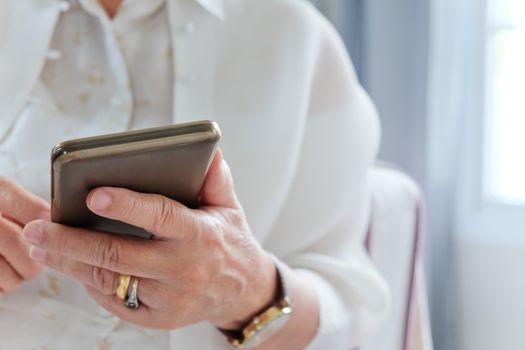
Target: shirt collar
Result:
[[130, 9], [215, 7]]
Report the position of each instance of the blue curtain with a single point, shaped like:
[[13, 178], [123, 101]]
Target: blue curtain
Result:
[[348, 17], [390, 44]]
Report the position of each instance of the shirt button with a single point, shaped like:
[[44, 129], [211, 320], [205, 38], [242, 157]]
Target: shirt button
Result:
[[64, 6], [54, 55], [186, 29]]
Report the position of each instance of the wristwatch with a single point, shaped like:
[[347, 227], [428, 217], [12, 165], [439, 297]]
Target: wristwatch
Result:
[[269, 321]]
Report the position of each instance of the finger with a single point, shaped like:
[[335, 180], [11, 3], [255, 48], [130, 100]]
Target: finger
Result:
[[16, 251], [104, 281], [122, 254], [10, 281], [218, 187], [8, 217], [20, 204], [154, 213], [142, 316]]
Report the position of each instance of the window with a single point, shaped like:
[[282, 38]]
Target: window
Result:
[[504, 145], [491, 193]]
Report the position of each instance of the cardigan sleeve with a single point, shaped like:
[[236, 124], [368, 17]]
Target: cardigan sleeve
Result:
[[321, 228]]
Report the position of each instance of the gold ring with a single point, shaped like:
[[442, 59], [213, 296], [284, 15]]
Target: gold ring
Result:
[[123, 286]]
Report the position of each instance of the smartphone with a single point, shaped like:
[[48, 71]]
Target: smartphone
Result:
[[171, 160]]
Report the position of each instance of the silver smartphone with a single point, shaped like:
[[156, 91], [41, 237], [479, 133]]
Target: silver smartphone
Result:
[[170, 160]]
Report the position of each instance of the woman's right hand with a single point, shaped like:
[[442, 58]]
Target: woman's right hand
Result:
[[17, 207]]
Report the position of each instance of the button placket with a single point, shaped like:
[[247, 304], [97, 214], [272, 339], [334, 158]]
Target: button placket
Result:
[[184, 77], [64, 6], [186, 29], [53, 54], [194, 60], [121, 103]]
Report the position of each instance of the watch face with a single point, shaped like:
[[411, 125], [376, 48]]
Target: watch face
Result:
[[267, 332]]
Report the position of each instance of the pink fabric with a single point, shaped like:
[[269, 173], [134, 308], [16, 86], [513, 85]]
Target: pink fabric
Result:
[[415, 256]]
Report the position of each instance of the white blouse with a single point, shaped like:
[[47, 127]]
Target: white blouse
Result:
[[299, 134]]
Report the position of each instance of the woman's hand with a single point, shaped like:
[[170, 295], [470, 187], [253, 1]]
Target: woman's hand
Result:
[[17, 208], [202, 265]]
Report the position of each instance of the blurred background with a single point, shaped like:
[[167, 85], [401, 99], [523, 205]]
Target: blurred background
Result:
[[448, 79]]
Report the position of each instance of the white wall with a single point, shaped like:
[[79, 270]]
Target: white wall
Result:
[[490, 293]]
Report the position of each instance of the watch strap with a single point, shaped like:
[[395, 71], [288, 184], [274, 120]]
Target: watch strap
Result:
[[281, 306]]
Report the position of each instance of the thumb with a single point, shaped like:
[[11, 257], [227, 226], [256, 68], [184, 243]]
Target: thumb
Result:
[[218, 187]]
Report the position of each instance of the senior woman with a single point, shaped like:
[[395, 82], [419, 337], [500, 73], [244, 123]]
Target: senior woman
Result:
[[281, 250]]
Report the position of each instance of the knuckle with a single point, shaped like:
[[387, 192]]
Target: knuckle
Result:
[[5, 181], [213, 241], [65, 243], [165, 215], [108, 253], [213, 236], [6, 184], [134, 206], [104, 280], [234, 217], [9, 241]]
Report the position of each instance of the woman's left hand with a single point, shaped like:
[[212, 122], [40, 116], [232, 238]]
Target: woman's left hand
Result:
[[203, 265]]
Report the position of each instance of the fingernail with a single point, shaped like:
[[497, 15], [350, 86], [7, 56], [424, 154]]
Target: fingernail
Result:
[[101, 200], [33, 234], [37, 253]]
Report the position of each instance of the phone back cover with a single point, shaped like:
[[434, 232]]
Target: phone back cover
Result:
[[176, 172]]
